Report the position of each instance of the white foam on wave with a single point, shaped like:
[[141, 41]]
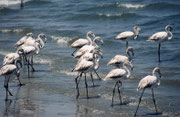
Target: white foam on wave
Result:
[[3, 53], [63, 41], [11, 2], [42, 60], [135, 6], [109, 15], [11, 30], [68, 73]]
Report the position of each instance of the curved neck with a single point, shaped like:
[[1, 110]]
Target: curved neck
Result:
[[41, 42], [37, 48], [136, 33], [127, 70], [170, 35], [96, 64], [89, 39], [129, 55]]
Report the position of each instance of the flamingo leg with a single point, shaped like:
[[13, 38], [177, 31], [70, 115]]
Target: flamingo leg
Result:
[[31, 64], [113, 94], [92, 78], [86, 86], [97, 75], [20, 84], [74, 52], [118, 88], [139, 102], [28, 66], [80, 78], [159, 52], [6, 86], [154, 100], [126, 44], [77, 88]]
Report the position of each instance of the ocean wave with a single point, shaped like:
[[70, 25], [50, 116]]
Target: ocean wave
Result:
[[68, 73], [11, 2], [134, 6], [63, 41], [3, 53], [110, 15], [11, 30], [42, 61]]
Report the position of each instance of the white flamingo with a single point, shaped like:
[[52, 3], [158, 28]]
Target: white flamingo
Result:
[[32, 41], [160, 37], [81, 42], [149, 81], [28, 52], [119, 59], [83, 67], [88, 48], [8, 70], [127, 35], [12, 57], [117, 74], [23, 39]]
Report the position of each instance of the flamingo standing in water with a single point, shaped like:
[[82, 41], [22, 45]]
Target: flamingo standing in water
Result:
[[127, 35], [28, 52], [160, 37], [8, 70], [117, 74], [149, 81], [81, 42], [84, 66], [119, 59]]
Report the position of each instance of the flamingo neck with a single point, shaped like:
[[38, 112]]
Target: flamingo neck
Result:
[[96, 64], [89, 39], [129, 55], [170, 35], [37, 48], [127, 70]]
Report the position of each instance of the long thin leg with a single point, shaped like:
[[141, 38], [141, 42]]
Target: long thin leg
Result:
[[74, 51], [28, 66], [118, 88], [159, 52], [77, 88], [92, 78], [31, 64], [113, 94], [86, 86], [20, 84], [139, 102], [154, 100], [80, 78], [126, 44], [97, 75], [6, 81]]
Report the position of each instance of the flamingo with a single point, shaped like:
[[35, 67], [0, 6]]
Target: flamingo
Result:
[[119, 59], [83, 67], [160, 37], [81, 42], [117, 74], [89, 48], [23, 39], [127, 35], [28, 52], [32, 41], [8, 70], [149, 81], [12, 57]]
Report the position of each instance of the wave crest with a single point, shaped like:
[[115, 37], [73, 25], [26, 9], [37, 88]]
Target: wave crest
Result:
[[63, 41], [11, 2], [135, 6]]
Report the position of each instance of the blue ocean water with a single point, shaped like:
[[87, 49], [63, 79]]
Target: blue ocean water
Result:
[[65, 21]]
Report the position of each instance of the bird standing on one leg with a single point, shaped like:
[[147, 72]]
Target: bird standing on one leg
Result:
[[149, 81], [161, 37]]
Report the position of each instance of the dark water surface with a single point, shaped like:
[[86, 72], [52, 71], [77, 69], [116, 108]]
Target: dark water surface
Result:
[[51, 90]]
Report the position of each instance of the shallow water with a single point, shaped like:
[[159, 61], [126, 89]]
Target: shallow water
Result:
[[65, 21]]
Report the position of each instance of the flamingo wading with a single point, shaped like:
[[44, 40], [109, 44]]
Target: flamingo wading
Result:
[[127, 35], [149, 81], [161, 37]]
